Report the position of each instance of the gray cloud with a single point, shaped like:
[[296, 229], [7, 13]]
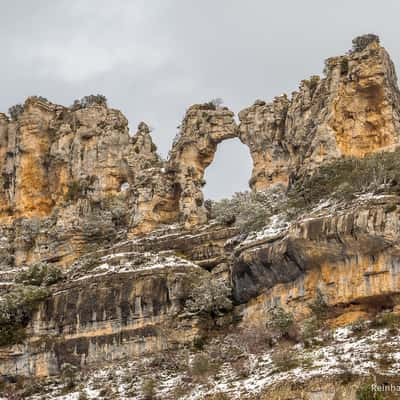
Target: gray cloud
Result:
[[152, 59]]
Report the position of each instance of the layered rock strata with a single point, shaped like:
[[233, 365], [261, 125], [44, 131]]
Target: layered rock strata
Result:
[[130, 231]]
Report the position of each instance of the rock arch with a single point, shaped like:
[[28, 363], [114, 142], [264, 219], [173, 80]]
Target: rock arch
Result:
[[203, 127]]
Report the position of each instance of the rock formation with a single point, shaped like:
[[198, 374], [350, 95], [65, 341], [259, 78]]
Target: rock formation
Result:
[[109, 254], [352, 111], [203, 127]]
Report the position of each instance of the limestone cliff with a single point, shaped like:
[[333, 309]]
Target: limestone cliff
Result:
[[113, 265], [352, 111]]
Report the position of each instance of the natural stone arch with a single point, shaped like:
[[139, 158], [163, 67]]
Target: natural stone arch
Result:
[[203, 127]]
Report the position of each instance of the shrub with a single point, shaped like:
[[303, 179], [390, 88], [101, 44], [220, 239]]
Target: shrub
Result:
[[149, 389], [16, 111], [365, 392], [40, 98], [200, 365], [214, 103], [78, 189], [116, 205], [31, 388], [249, 211], [344, 178], [387, 320], [74, 191], [166, 360], [282, 323], [217, 396], [83, 396], [209, 296], [358, 327], [180, 391], [68, 373], [319, 306], [90, 100], [199, 342], [40, 274], [361, 42], [346, 376], [106, 392], [312, 83], [285, 360], [16, 310], [310, 330]]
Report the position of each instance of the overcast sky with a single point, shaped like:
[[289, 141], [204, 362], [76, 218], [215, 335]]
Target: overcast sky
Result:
[[154, 58]]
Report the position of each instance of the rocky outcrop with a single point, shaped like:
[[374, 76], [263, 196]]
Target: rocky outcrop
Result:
[[143, 269], [203, 127], [108, 315], [348, 255], [53, 157], [55, 154], [354, 110], [129, 299]]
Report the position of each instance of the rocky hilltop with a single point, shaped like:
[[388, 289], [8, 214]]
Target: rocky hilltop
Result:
[[112, 264]]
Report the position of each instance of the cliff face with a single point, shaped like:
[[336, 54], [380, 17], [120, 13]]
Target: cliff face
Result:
[[112, 313], [51, 150], [145, 266], [202, 129], [51, 154], [352, 111]]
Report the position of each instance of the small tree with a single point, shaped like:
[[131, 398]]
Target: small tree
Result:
[[149, 389], [214, 104], [361, 42], [68, 372], [250, 211], [200, 365], [281, 322], [16, 310], [217, 102], [90, 100], [319, 306], [40, 274], [16, 111], [209, 296], [285, 360]]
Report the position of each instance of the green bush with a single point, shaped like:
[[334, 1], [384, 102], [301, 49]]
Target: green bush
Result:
[[358, 327], [310, 330], [201, 365], [16, 111], [285, 360], [16, 310], [319, 307], [149, 389], [199, 342], [68, 374], [90, 100], [78, 189], [281, 322], [344, 66], [40, 274], [249, 211], [74, 191], [361, 42], [208, 296], [346, 177], [386, 320], [365, 392]]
